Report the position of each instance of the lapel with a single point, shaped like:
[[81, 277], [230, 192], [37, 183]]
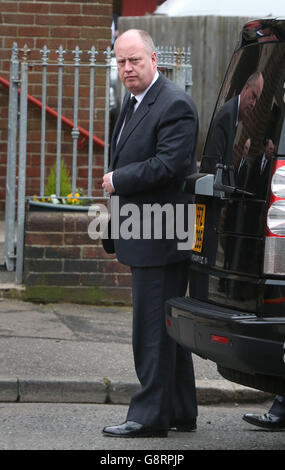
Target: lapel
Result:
[[119, 122], [139, 114]]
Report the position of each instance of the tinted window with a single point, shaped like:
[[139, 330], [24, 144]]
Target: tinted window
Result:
[[248, 128]]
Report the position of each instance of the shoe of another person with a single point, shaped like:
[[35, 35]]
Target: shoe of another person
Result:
[[133, 429], [268, 421]]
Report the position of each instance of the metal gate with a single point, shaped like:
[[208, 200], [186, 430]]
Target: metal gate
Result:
[[174, 63]]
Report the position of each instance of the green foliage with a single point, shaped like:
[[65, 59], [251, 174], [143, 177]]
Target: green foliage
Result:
[[65, 181]]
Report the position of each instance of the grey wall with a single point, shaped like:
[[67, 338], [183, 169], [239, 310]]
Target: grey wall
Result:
[[212, 40]]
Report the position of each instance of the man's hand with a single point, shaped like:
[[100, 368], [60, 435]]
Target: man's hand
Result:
[[107, 183]]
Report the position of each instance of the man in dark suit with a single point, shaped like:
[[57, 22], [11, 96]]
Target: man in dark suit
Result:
[[220, 140], [151, 154]]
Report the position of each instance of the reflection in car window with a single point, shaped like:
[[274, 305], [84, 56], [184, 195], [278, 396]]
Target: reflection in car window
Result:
[[260, 123]]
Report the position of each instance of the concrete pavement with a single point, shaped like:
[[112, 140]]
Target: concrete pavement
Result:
[[83, 354]]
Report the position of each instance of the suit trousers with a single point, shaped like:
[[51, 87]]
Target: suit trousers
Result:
[[278, 406], [165, 370]]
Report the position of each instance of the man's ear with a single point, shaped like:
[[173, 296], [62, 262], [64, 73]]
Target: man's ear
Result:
[[154, 58]]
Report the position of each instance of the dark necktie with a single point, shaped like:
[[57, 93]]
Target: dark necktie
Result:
[[124, 118], [130, 109]]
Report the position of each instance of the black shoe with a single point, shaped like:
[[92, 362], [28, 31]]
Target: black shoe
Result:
[[133, 429], [268, 421], [187, 427]]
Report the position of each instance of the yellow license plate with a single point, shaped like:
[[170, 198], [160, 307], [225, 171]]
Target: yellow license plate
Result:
[[199, 227]]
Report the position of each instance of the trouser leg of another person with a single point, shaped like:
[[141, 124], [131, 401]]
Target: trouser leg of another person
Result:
[[164, 369], [278, 406], [274, 419]]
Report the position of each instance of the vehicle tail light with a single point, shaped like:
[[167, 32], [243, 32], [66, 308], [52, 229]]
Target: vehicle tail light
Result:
[[168, 322], [219, 339], [274, 255]]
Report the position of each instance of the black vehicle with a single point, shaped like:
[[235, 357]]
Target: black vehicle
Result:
[[235, 312]]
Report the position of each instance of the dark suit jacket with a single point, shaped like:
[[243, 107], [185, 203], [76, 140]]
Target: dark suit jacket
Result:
[[258, 180], [156, 151], [220, 140], [242, 173], [218, 149]]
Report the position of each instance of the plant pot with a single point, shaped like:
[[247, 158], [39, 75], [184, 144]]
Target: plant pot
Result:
[[48, 206]]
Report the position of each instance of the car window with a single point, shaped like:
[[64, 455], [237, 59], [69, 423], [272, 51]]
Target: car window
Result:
[[248, 128]]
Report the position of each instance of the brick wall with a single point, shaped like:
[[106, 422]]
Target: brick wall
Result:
[[54, 23], [61, 262]]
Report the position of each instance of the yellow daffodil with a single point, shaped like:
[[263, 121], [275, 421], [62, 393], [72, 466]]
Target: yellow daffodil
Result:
[[70, 199]]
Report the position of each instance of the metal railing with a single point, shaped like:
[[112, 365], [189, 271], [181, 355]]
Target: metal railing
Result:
[[175, 63], [52, 112], [16, 185]]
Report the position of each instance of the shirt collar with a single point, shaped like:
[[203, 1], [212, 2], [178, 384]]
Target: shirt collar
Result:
[[141, 96]]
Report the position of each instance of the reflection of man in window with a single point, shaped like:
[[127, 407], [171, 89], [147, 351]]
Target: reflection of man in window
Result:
[[250, 94], [219, 149], [260, 171], [242, 171], [219, 144]]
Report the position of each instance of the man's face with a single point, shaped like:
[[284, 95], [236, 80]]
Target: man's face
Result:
[[136, 65], [249, 96]]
